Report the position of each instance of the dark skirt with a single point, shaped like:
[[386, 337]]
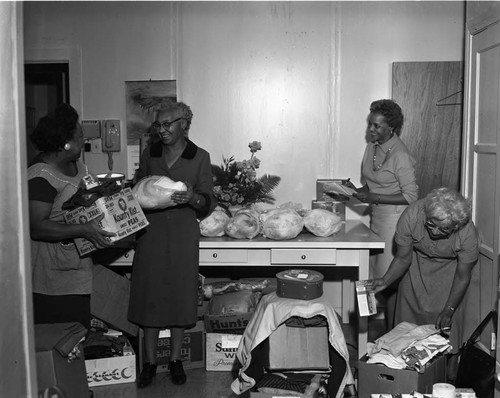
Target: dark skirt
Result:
[[164, 286]]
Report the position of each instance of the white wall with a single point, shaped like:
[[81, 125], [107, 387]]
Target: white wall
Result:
[[297, 76]]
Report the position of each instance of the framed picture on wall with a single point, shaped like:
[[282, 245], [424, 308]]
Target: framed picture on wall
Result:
[[143, 99]]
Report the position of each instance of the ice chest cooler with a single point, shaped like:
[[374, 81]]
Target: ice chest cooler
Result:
[[299, 284]]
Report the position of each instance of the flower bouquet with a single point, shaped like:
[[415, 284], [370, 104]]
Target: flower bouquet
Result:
[[236, 183]]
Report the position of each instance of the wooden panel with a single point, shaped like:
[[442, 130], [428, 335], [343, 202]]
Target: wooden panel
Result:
[[430, 95]]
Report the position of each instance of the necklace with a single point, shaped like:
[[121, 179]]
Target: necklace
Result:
[[378, 167]]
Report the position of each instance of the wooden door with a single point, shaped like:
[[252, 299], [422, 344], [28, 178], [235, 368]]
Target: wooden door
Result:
[[482, 152], [430, 95]]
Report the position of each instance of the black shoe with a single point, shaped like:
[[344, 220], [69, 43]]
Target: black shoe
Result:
[[177, 372], [147, 374]]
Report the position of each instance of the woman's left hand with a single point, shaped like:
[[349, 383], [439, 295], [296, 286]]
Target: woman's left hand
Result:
[[365, 196], [444, 319], [183, 197]]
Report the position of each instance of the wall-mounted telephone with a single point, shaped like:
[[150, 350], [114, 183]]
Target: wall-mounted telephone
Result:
[[111, 136]]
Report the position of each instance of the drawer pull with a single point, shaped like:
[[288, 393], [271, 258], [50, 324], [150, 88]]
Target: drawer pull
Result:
[[127, 255], [214, 255], [303, 257]]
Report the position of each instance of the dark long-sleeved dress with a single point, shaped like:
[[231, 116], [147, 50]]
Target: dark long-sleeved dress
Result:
[[166, 261]]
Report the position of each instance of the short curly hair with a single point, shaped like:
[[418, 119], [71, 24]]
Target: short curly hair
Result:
[[448, 206], [55, 129], [391, 111], [185, 110]]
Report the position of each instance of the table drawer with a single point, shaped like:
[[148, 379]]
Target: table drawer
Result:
[[224, 256], [303, 256], [125, 259]]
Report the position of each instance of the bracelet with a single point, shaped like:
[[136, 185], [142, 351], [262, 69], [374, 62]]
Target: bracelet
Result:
[[451, 308], [377, 201]]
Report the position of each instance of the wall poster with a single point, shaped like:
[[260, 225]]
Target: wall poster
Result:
[[142, 100]]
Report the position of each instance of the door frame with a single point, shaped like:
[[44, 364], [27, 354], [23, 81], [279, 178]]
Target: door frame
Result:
[[469, 187], [71, 55]]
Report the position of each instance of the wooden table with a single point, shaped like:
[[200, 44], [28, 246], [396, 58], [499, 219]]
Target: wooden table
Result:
[[350, 247]]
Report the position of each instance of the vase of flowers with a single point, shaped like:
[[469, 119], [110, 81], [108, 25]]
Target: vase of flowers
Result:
[[236, 183]]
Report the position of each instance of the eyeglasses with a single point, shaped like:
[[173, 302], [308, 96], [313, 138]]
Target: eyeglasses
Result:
[[430, 225], [165, 125]]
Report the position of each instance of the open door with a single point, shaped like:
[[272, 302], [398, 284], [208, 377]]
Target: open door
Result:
[[46, 85], [431, 96], [482, 157]]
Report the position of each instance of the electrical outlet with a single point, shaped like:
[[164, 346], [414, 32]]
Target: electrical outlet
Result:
[[96, 146], [111, 136]]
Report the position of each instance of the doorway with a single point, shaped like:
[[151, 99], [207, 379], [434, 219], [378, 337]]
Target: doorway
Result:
[[46, 86]]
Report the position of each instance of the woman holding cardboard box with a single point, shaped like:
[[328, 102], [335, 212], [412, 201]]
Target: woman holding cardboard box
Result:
[[62, 280], [164, 288]]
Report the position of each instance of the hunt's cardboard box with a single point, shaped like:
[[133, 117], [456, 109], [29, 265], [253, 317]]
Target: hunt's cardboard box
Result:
[[192, 351], [300, 348], [379, 379], [221, 351], [109, 299], [122, 215], [113, 370], [234, 323]]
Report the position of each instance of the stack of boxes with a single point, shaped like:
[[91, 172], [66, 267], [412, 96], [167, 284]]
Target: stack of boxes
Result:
[[192, 351], [327, 199], [225, 323]]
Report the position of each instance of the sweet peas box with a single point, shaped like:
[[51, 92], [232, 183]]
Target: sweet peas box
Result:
[[122, 215]]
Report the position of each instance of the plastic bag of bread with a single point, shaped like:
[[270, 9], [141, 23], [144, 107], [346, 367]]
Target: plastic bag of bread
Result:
[[321, 222], [154, 192], [281, 224], [215, 223], [235, 302], [245, 224], [224, 287]]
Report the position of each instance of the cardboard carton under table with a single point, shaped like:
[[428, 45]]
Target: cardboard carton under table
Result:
[[234, 323], [221, 351], [112, 370], [299, 348], [53, 369], [122, 215], [109, 300], [380, 379], [192, 350]]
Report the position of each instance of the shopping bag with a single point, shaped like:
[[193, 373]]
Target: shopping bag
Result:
[[476, 368]]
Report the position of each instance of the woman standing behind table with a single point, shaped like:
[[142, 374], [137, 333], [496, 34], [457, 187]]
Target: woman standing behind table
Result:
[[165, 268], [388, 175], [437, 249], [62, 280]]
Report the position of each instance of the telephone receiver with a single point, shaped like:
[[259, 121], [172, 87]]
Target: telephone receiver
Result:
[[111, 136]]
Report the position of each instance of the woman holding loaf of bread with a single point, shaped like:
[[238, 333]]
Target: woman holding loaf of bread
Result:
[[165, 269]]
